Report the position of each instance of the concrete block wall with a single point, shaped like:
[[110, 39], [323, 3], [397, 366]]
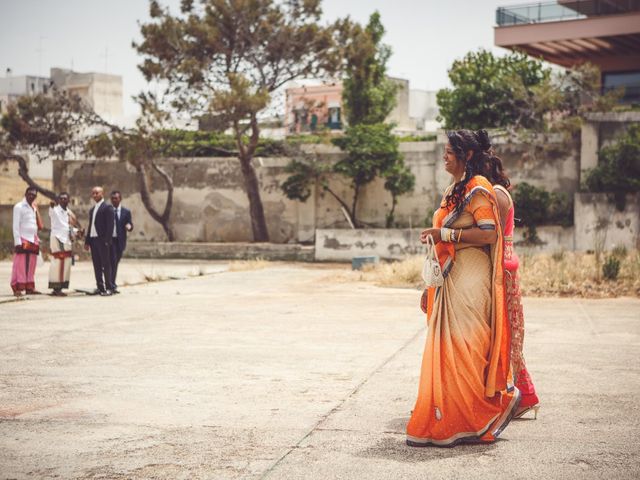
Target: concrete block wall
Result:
[[597, 220], [341, 245]]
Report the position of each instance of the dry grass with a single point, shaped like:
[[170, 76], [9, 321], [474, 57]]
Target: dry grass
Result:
[[560, 274], [245, 265], [405, 273], [577, 274]]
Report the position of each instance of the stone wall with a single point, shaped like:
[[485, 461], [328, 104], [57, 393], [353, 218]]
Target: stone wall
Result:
[[221, 251], [210, 204]]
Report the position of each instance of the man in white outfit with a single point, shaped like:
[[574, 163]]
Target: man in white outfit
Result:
[[26, 223], [61, 243]]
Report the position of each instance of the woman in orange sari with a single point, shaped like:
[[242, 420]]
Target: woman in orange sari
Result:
[[465, 393], [494, 172]]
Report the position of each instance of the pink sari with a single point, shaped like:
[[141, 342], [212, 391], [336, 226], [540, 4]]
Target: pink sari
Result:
[[515, 312]]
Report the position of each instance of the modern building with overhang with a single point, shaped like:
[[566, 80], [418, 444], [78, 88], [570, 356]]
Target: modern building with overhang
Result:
[[605, 33]]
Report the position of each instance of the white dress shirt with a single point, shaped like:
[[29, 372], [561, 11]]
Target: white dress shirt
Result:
[[115, 221], [59, 223], [24, 222], [93, 232]]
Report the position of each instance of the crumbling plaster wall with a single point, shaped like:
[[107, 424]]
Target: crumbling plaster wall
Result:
[[210, 203]]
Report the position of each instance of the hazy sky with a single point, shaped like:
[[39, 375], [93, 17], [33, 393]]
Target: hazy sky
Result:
[[96, 35]]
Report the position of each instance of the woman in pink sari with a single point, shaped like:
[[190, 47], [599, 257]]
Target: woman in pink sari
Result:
[[494, 172]]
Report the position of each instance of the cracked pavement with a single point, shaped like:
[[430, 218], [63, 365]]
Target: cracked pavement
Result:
[[283, 373]]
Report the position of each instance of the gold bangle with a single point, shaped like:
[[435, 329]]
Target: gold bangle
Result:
[[459, 236]]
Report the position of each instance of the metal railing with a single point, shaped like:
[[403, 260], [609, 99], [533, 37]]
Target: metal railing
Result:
[[631, 94], [558, 11]]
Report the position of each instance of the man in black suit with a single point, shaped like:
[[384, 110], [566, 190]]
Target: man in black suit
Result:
[[122, 225], [98, 238]]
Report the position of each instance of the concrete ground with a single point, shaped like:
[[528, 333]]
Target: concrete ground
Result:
[[283, 373], [130, 272]]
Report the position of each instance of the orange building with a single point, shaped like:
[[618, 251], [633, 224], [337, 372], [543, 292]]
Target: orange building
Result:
[[313, 107], [568, 33]]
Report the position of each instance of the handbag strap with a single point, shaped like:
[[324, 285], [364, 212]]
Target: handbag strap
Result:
[[431, 247]]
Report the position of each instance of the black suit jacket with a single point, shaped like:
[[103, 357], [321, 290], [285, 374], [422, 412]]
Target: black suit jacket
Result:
[[121, 239], [104, 223]]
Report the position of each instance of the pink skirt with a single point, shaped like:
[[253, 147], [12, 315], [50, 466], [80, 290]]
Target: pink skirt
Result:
[[24, 270]]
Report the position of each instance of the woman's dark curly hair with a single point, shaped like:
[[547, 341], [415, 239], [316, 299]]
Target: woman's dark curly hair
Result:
[[494, 170], [483, 162]]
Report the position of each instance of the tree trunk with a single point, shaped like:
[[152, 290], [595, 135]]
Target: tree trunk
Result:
[[391, 214], [356, 193], [251, 184], [342, 203], [143, 181], [256, 210], [23, 171]]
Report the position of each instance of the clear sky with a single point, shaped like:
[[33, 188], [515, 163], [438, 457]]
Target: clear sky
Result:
[[96, 35]]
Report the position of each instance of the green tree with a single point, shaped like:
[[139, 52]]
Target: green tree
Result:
[[559, 103], [368, 95], [141, 147], [370, 146], [519, 94], [41, 126], [371, 152], [59, 124], [398, 181], [482, 95], [226, 57], [618, 169]]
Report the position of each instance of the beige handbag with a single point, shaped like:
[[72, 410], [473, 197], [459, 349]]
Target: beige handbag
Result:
[[431, 271]]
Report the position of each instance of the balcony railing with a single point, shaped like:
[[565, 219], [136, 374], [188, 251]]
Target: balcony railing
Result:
[[558, 11]]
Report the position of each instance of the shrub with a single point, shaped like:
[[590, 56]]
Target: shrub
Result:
[[560, 210], [532, 208], [417, 138], [611, 268], [535, 206], [618, 169], [6, 242]]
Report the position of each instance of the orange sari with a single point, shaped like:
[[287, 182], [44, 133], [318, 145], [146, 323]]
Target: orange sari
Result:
[[465, 392]]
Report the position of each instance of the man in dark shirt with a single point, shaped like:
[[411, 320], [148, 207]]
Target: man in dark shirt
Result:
[[122, 225], [98, 239]]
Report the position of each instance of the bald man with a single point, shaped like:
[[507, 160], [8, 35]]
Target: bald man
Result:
[[98, 239]]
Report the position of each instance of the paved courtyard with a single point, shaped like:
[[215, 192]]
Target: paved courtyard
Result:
[[282, 373]]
